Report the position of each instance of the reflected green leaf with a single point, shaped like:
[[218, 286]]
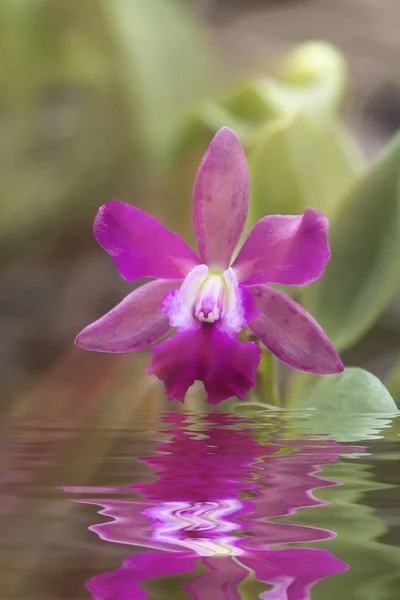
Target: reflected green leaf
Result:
[[341, 427], [374, 566], [363, 272]]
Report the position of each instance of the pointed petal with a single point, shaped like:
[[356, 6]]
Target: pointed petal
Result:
[[220, 199], [140, 245], [227, 367], [133, 324], [291, 334], [290, 250]]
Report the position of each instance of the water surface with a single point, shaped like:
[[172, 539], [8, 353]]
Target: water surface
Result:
[[261, 504]]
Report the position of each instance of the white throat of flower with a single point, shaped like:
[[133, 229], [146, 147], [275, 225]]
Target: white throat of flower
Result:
[[210, 299], [207, 298]]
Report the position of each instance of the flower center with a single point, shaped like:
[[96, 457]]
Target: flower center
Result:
[[210, 299]]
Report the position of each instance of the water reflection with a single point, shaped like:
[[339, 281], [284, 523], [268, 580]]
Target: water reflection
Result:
[[210, 511], [290, 573]]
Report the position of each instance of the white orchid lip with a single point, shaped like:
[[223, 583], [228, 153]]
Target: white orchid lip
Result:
[[211, 299], [208, 298]]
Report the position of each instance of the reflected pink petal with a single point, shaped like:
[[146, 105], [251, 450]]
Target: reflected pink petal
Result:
[[291, 334], [196, 501], [220, 199], [124, 583], [220, 582], [131, 524], [134, 323], [290, 250], [140, 245], [204, 480], [291, 572]]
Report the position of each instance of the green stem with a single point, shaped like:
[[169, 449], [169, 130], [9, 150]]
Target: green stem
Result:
[[266, 385]]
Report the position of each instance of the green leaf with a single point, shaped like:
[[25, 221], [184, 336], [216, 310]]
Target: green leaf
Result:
[[199, 125], [266, 389], [296, 163], [363, 271], [249, 100], [351, 406], [354, 391], [360, 533]]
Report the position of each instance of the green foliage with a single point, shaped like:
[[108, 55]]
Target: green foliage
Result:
[[312, 78], [297, 163], [374, 565], [160, 78], [58, 153], [392, 381], [354, 390], [348, 407], [351, 406], [87, 98], [299, 153], [363, 271]]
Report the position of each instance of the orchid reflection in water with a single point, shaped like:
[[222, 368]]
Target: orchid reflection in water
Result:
[[290, 573], [208, 512], [204, 298]]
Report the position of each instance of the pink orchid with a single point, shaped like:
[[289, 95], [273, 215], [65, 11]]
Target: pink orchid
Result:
[[208, 300]]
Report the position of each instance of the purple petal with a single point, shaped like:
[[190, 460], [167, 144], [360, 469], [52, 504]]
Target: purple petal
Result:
[[291, 334], [220, 199], [284, 249], [227, 367], [134, 323], [140, 245]]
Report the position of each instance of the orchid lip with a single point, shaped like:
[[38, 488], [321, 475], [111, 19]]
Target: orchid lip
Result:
[[211, 298]]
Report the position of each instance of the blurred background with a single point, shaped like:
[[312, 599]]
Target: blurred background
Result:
[[94, 105], [104, 99]]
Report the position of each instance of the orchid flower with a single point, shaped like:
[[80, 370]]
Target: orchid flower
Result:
[[205, 298]]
